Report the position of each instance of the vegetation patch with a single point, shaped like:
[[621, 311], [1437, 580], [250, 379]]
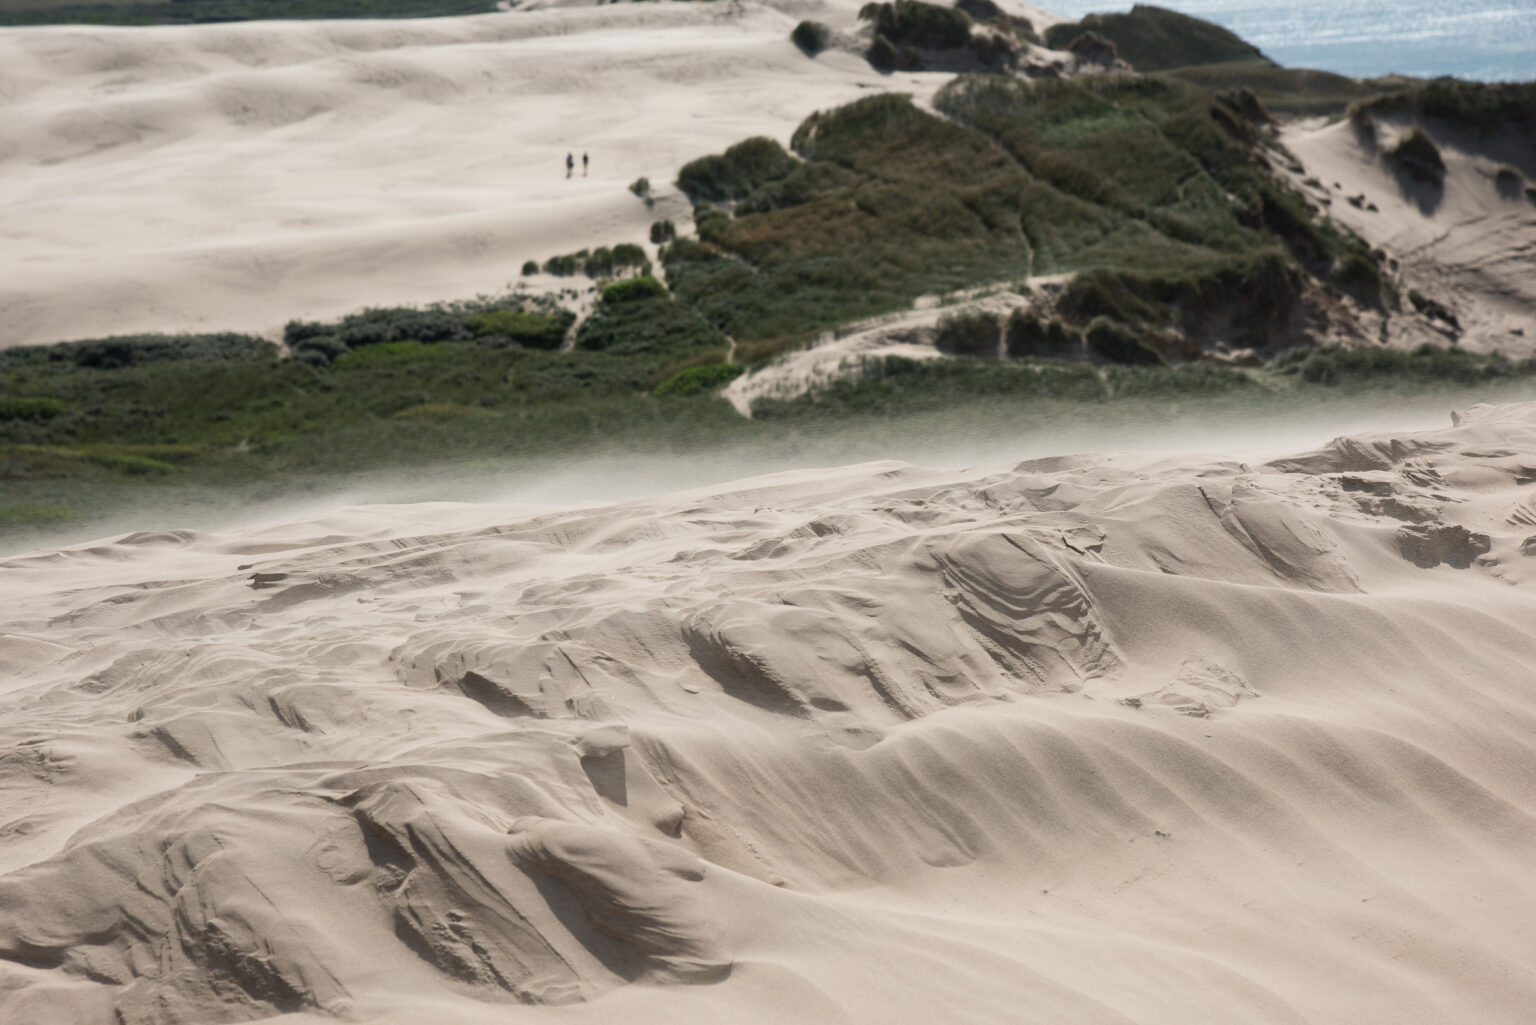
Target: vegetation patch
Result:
[[707, 377], [1154, 39], [812, 37], [975, 333], [535, 330], [736, 173], [27, 408], [1417, 156], [602, 262], [1382, 367]]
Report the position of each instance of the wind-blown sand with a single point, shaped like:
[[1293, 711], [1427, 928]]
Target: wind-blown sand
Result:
[[1082, 740]]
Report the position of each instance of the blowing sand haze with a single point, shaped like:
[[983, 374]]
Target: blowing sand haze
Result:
[[1086, 739]]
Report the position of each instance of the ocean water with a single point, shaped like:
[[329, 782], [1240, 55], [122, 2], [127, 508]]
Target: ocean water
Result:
[[1488, 40]]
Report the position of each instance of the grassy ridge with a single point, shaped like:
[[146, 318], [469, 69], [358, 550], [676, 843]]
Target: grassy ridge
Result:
[[1155, 39]]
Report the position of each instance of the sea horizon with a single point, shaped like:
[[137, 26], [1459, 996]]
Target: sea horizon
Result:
[[1483, 40]]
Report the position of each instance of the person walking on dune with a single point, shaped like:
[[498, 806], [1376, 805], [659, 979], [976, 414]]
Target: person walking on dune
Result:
[[570, 164], [583, 165]]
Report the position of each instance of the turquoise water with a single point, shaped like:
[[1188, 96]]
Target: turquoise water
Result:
[[1490, 40]]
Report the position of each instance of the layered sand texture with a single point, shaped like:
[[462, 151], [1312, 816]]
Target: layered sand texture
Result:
[[1082, 740]]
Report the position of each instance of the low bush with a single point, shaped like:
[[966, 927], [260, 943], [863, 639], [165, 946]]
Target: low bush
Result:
[[693, 380], [972, 333], [1417, 156], [139, 350], [1028, 336], [533, 330], [641, 187], [1427, 365], [736, 173], [399, 324], [662, 232], [530, 267], [812, 37], [916, 24], [1113, 342], [633, 290], [28, 408]]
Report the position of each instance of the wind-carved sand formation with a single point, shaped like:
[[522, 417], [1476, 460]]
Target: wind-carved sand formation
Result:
[[1087, 739]]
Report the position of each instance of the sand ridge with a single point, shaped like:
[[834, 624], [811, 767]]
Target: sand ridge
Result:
[[1085, 739]]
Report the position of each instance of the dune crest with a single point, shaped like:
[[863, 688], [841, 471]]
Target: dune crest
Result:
[[1090, 739]]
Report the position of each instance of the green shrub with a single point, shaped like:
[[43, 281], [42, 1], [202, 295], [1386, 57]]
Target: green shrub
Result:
[[641, 187], [398, 324], [662, 232], [24, 408], [633, 290], [533, 330], [395, 353], [1427, 365], [566, 266], [320, 350], [1417, 156], [1030, 337], [812, 37], [122, 351], [530, 267], [916, 24], [975, 333], [736, 173], [628, 256], [693, 380], [1113, 342]]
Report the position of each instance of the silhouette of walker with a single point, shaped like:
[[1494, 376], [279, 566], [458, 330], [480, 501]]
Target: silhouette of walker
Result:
[[570, 164], [583, 165]]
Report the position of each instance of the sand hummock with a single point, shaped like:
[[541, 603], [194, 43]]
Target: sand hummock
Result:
[[1087, 739]]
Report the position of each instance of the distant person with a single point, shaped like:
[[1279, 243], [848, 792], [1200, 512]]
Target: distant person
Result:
[[570, 164], [583, 165]]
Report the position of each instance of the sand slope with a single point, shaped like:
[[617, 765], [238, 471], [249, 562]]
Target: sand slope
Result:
[[1084, 740], [230, 177], [1469, 245]]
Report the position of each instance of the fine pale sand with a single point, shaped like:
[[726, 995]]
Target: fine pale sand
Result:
[[232, 177], [1467, 245], [1083, 740]]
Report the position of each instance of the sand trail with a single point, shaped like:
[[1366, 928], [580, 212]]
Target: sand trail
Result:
[[1090, 739]]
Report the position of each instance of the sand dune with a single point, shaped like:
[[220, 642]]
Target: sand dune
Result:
[[1468, 244], [1085, 739], [234, 176]]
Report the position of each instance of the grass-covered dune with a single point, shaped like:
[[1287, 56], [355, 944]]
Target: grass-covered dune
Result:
[[1156, 39], [1157, 186]]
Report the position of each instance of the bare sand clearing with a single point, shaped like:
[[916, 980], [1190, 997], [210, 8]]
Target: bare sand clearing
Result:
[[232, 177], [1084, 740], [1469, 245]]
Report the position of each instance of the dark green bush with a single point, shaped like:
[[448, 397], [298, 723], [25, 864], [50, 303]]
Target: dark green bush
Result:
[[1417, 156], [139, 350], [530, 267], [641, 187], [974, 333], [318, 350], [812, 37], [1113, 342], [28, 408], [916, 24], [1030, 337], [532, 330], [399, 324], [693, 380], [736, 173], [633, 290], [662, 232], [628, 256], [1428, 364]]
